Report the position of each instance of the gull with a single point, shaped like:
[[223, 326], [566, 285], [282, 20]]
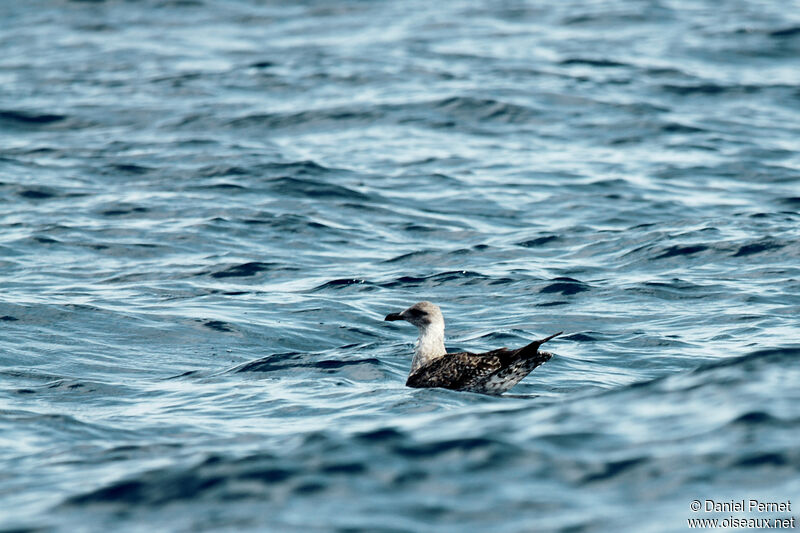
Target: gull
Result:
[[491, 372]]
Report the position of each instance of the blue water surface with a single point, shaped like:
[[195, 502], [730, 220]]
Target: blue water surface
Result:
[[207, 207]]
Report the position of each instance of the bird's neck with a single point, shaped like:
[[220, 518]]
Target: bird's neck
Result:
[[430, 345]]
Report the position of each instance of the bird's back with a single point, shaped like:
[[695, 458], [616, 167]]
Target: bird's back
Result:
[[489, 373]]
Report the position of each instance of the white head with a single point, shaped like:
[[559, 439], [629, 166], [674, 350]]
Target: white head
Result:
[[430, 322]]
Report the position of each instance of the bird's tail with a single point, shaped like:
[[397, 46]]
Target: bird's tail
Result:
[[533, 347], [531, 355]]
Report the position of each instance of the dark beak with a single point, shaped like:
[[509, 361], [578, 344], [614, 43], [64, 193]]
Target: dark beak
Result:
[[394, 316]]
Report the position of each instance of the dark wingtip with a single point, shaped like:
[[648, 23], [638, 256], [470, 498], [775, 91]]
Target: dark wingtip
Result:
[[392, 317], [550, 337]]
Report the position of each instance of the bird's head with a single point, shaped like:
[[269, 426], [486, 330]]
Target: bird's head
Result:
[[422, 315]]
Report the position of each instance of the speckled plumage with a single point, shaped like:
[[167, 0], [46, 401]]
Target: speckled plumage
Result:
[[492, 372]]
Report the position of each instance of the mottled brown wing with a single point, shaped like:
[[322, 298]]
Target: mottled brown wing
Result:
[[461, 370], [473, 371]]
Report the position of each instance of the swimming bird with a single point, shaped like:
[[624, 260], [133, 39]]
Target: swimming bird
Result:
[[488, 373]]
